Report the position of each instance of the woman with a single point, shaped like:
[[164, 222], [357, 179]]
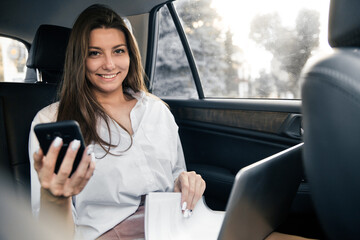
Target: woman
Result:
[[132, 136]]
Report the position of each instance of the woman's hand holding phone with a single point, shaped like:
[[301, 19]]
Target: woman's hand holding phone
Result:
[[61, 184], [57, 188]]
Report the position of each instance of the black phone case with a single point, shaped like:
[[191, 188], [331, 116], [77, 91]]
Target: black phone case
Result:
[[68, 131]]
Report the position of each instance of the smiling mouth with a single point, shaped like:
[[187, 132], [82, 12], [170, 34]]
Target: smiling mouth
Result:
[[108, 76]]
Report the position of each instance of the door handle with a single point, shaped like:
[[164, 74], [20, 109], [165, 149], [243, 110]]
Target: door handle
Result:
[[292, 126]]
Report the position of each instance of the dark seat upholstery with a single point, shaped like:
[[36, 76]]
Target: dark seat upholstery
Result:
[[47, 53], [18, 105], [331, 113], [19, 102]]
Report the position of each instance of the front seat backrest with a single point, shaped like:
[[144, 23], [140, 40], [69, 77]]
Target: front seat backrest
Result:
[[47, 52], [331, 115]]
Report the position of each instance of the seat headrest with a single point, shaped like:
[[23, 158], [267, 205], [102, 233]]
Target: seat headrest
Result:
[[47, 52], [344, 23]]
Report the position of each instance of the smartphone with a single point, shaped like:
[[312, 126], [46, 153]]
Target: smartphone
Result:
[[68, 131]]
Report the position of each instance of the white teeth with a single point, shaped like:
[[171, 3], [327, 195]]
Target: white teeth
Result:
[[108, 76]]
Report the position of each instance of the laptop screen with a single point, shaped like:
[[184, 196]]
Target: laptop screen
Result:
[[262, 195]]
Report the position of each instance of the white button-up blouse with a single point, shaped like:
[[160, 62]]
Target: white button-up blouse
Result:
[[152, 164]]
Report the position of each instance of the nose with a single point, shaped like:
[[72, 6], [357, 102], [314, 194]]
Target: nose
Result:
[[108, 63]]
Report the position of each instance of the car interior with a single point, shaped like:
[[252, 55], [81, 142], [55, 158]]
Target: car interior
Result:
[[219, 136]]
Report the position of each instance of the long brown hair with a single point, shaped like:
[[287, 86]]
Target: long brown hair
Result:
[[77, 101]]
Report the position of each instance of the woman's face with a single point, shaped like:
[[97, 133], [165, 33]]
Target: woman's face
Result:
[[108, 61]]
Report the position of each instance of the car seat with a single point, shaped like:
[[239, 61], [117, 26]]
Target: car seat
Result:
[[331, 115], [19, 102], [47, 53]]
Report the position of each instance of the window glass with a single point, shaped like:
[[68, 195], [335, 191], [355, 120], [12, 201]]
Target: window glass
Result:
[[172, 72], [13, 56], [252, 49]]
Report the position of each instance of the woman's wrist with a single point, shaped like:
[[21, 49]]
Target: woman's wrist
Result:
[[48, 197], [56, 212], [54, 205]]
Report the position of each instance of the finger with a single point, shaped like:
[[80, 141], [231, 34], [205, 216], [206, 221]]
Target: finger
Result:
[[38, 157], [87, 177], [85, 161], [48, 162], [82, 169], [52, 154], [68, 161], [199, 190], [192, 189], [177, 185], [184, 188]]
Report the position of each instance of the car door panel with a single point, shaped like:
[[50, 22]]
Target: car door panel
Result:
[[221, 137]]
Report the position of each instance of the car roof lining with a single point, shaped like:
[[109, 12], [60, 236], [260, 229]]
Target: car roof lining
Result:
[[21, 18]]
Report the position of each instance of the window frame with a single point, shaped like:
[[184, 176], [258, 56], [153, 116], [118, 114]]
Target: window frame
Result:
[[26, 44], [153, 45]]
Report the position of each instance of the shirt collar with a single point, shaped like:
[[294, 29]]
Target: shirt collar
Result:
[[140, 95]]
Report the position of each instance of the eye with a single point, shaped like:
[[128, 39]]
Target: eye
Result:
[[93, 53], [119, 51]]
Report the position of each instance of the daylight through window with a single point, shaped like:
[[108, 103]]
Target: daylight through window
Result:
[[253, 49]]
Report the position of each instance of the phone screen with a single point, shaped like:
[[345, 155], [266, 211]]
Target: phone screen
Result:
[[68, 131]]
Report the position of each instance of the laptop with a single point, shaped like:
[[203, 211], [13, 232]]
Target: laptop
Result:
[[262, 195], [260, 200]]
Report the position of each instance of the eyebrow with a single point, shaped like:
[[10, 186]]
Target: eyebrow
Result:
[[120, 45]]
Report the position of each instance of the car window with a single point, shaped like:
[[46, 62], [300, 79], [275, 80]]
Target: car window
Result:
[[13, 55], [253, 49], [172, 75]]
